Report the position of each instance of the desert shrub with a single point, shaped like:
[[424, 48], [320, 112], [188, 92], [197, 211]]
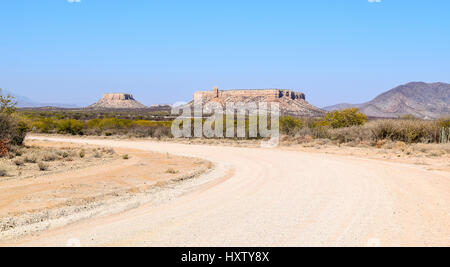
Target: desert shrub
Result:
[[109, 151], [70, 126], [350, 134], [408, 131], [160, 132], [126, 157], [19, 133], [19, 162], [42, 166], [290, 125], [82, 154], [171, 171], [49, 156], [3, 172], [108, 124], [409, 117], [30, 158], [342, 118], [12, 130], [44, 125], [444, 122], [7, 104]]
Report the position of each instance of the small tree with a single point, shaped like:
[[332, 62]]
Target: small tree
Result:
[[7, 104], [12, 129]]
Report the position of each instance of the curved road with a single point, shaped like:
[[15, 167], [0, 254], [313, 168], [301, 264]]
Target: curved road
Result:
[[273, 197]]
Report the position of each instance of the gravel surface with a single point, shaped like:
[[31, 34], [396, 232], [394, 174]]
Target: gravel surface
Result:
[[273, 197]]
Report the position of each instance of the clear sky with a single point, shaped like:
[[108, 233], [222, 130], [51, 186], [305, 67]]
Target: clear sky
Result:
[[162, 51]]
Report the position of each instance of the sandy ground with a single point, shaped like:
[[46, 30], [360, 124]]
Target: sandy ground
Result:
[[74, 190], [277, 197]]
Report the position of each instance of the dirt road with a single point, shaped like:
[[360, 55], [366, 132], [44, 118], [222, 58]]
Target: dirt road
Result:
[[273, 197]]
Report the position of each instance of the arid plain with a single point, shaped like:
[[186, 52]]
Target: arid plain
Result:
[[264, 197]]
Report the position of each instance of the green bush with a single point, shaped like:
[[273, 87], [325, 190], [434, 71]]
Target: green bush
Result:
[[7, 104], [290, 125], [343, 118], [44, 125], [12, 129], [444, 122], [70, 126]]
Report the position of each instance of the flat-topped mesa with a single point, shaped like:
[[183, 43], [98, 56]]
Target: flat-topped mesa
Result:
[[290, 102], [117, 97], [269, 94], [117, 101]]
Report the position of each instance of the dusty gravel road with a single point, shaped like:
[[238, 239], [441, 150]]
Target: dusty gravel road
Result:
[[274, 197]]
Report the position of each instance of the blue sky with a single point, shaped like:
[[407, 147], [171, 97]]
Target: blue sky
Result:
[[162, 51]]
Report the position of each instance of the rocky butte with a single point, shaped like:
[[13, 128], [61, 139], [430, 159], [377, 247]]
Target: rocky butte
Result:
[[117, 101], [291, 102]]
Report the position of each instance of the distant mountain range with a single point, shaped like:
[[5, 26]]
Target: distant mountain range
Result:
[[422, 100], [25, 102]]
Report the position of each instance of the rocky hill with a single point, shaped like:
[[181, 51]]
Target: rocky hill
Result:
[[291, 103], [117, 101], [423, 100]]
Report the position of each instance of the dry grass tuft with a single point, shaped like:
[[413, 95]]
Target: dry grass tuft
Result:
[[3, 172], [42, 166], [172, 171]]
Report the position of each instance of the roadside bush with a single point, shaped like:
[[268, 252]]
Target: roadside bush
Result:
[[408, 131], [20, 132], [70, 126], [444, 122], [160, 132], [342, 118], [12, 130], [44, 125], [350, 134], [290, 125]]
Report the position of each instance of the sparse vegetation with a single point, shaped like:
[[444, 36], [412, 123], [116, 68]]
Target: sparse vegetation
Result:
[[343, 118], [42, 166], [31, 158], [28, 160], [341, 126], [7, 104], [126, 157], [19, 162], [171, 171], [350, 126], [290, 125], [49, 156], [3, 172]]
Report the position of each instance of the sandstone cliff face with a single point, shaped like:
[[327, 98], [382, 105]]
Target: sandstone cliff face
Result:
[[291, 103], [117, 101]]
